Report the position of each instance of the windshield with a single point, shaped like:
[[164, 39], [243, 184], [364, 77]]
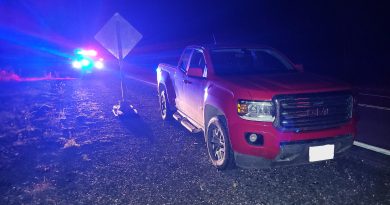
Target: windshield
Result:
[[240, 61]]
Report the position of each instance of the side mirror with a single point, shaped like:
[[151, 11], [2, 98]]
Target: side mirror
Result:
[[195, 72], [299, 67]]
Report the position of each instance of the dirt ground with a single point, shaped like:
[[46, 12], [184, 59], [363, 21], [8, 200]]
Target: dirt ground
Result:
[[60, 144]]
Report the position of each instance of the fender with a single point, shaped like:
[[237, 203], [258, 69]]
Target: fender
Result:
[[217, 101], [164, 81]]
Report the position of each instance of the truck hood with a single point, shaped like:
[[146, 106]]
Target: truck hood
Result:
[[283, 83]]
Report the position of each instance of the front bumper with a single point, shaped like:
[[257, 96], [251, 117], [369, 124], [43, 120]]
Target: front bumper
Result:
[[294, 152]]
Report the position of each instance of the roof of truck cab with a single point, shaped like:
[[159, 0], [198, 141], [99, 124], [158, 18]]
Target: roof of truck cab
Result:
[[241, 45], [222, 46]]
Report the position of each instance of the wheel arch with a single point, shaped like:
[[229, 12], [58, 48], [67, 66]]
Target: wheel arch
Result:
[[211, 111], [170, 92]]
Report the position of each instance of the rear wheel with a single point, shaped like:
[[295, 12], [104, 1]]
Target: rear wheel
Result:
[[165, 111], [218, 144]]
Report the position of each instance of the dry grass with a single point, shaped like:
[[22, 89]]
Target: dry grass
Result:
[[71, 143], [39, 187], [85, 157]]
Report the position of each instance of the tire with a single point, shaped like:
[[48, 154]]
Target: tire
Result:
[[165, 111], [218, 144]]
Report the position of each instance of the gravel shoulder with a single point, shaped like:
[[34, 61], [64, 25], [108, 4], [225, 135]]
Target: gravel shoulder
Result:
[[60, 144]]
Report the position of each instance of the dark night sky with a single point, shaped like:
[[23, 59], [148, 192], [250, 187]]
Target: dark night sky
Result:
[[332, 37]]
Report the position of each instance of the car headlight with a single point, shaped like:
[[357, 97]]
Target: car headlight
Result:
[[256, 110], [99, 65], [76, 64]]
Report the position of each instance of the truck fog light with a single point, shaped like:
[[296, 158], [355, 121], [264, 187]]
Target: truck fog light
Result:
[[254, 139]]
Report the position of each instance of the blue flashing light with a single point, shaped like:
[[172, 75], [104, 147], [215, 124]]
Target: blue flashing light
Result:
[[86, 52], [85, 62]]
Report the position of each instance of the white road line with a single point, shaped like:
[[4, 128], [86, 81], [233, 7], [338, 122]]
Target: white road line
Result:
[[374, 106], [372, 148], [373, 95]]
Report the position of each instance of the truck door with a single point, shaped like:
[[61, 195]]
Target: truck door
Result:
[[194, 88], [179, 76]]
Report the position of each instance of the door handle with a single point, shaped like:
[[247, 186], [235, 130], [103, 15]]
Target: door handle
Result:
[[187, 81]]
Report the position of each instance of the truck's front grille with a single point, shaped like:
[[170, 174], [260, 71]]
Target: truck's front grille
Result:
[[301, 112]]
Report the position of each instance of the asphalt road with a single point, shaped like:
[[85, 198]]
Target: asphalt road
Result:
[[374, 119], [60, 144], [373, 127]]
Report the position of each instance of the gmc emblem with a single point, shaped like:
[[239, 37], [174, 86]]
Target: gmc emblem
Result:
[[316, 112]]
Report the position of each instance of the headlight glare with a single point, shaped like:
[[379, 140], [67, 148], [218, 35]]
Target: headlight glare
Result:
[[256, 110]]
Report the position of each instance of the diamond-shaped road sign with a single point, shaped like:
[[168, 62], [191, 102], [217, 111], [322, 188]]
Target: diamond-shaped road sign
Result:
[[118, 36]]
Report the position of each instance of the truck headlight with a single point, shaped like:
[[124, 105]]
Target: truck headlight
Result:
[[256, 110]]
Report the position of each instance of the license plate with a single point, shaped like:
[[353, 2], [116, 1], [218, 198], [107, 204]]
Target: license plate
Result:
[[319, 153]]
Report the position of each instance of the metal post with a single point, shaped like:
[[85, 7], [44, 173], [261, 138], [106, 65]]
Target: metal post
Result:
[[120, 56]]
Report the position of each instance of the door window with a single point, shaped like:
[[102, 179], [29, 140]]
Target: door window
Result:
[[184, 60], [197, 61]]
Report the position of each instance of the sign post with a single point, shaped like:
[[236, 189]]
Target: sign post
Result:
[[119, 37]]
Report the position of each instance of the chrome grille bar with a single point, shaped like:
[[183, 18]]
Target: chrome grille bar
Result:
[[313, 111]]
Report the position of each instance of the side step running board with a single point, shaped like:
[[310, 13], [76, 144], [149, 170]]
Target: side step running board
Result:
[[177, 116], [186, 123]]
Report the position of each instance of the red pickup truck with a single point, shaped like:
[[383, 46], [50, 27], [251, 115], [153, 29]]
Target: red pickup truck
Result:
[[255, 107]]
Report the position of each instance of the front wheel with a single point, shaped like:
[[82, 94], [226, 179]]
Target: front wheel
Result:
[[218, 144], [165, 111]]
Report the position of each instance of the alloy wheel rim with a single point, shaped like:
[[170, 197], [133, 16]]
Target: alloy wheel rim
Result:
[[163, 105], [218, 146]]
